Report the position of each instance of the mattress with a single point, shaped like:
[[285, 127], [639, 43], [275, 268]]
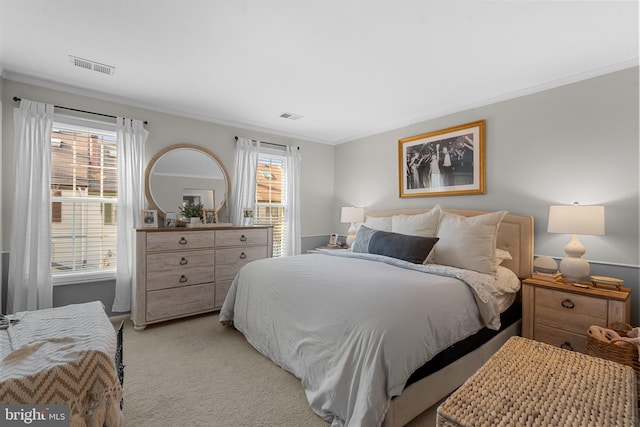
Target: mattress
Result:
[[467, 345]]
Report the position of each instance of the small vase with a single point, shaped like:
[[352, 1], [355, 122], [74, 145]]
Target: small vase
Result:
[[194, 220]]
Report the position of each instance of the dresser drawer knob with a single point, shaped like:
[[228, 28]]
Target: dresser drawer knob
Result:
[[243, 255], [566, 346], [568, 304], [243, 238], [184, 261], [183, 241], [183, 278]]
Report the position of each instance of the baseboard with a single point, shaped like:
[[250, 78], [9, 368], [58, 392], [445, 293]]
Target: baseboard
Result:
[[119, 318]]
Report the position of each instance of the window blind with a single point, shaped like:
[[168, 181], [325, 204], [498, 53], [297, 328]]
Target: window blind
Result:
[[84, 191], [271, 198]]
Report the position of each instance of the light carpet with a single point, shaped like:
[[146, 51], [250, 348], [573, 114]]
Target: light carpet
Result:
[[195, 372]]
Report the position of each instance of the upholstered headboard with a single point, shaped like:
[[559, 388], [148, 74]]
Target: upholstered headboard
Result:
[[514, 235]]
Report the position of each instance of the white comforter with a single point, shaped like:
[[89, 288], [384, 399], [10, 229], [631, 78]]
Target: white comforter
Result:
[[354, 327]]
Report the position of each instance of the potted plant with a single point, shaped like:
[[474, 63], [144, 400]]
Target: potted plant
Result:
[[191, 211]]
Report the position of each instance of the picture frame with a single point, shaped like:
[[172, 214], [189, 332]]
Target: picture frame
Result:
[[149, 218], [333, 239], [445, 162], [208, 216], [170, 219]]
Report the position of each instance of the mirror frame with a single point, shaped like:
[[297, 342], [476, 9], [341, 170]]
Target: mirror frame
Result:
[[159, 154]]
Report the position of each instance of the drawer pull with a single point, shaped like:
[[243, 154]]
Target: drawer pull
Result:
[[183, 278], [568, 304], [184, 261], [243, 255], [183, 241], [243, 238], [566, 346]]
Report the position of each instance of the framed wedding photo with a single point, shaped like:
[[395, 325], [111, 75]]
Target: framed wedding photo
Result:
[[170, 219], [444, 162], [209, 216], [149, 218]]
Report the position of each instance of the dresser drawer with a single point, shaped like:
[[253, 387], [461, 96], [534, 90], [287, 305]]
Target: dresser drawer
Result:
[[187, 300], [180, 261], [242, 237], [560, 338], [222, 289], [170, 241], [230, 260], [176, 279]]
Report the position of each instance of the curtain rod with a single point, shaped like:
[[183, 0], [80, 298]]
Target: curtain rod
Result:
[[270, 143], [16, 99]]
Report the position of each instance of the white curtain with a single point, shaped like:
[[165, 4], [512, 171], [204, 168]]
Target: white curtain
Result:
[[243, 192], [131, 138], [294, 241], [30, 285]]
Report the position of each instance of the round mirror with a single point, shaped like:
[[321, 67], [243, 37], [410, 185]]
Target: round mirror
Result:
[[186, 173]]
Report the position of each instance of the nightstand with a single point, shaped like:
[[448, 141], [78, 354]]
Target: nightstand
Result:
[[327, 248], [559, 313]]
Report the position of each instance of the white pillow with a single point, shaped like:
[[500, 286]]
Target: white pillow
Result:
[[424, 224], [382, 223], [468, 242]]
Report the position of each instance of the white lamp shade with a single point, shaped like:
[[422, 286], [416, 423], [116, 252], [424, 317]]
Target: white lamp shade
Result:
[[576, 219], [352, 214]]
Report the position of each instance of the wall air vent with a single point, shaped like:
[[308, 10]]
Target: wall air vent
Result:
[[291, 116], [92, 65]]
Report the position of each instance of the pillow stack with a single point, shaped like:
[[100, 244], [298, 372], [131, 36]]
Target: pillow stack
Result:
[[462, 242]]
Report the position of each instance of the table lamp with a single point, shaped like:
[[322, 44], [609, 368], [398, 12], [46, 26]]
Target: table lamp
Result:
[[352, 215], [575, 219]]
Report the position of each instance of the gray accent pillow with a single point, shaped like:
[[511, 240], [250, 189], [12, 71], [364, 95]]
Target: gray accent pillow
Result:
[[413, 249], [361, 244]]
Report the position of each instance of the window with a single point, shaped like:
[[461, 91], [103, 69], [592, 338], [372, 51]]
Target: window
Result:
[[84, 191], [271, 198]]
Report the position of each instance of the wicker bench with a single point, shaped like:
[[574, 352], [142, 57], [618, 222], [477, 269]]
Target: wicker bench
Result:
[[529, 383]]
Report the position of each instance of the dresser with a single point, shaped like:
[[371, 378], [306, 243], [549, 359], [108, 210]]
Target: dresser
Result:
[[185, 271], [560, 313]]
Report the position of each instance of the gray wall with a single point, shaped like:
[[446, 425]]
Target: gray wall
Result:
[[164, 129], [575, 142]]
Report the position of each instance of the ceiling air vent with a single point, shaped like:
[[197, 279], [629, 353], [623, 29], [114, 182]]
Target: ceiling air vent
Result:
[[92, 65], [291, 116]]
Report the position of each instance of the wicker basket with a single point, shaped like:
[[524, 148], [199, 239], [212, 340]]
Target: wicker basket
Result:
[[616, 350]]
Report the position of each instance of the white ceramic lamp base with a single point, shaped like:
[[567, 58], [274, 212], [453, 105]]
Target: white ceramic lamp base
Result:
[[573, 267], [351, 234]]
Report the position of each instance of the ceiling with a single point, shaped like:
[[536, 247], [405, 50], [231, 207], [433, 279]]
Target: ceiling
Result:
[[351, 68]]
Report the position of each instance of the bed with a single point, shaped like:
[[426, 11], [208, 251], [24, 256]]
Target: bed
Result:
[[358, 326], [64, 355]]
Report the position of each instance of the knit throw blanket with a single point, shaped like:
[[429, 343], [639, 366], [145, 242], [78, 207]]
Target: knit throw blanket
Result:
[[63, 355]]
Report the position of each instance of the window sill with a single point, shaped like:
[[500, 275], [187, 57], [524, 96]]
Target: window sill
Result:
[[82, 277]]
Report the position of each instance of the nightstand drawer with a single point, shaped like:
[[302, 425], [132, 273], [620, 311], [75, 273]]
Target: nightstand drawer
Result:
[[567, 319], [573, 304], [560, 338]]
